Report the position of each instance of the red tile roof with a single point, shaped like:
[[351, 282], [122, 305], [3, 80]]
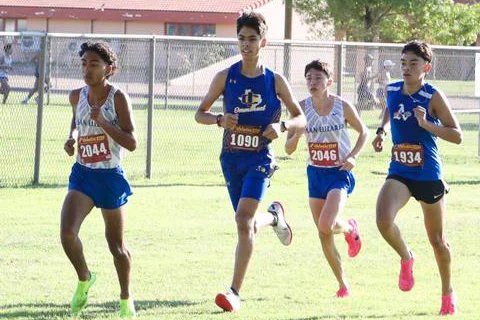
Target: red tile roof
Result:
[[220, 6], [173, 11]]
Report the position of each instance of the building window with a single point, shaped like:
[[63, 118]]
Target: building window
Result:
[[189, 29], [13, 25]]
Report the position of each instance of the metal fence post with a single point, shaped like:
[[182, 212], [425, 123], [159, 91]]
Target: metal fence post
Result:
[[167, 73], [151, 98], [38, 138], [339, 48]]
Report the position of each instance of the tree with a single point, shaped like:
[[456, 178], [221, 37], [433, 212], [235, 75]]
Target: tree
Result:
[[435, 21], [353, 20]]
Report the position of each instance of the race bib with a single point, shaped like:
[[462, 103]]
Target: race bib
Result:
[[94, 148], [410, 155], [245, 138], [324, 154]]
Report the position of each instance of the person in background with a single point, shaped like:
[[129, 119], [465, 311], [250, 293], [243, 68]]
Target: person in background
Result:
[[36, 84], [366, 99], [383, 80], [6, 62]]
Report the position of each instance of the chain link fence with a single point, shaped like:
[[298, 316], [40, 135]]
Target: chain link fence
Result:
[[167, 77]]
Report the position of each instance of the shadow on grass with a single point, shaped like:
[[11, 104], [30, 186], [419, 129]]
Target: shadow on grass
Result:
[[462, 182], [366, 316], [40, 311], [135, 185]]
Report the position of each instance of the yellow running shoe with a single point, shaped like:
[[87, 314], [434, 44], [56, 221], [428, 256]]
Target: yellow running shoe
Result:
[[80, 297], [127, 308]]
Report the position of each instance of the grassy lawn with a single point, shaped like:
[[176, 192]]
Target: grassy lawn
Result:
[[182, 233]]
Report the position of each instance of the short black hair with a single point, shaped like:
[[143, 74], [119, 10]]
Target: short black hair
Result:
[[254, 20], [320, 66], [8, 46], [419, 48]]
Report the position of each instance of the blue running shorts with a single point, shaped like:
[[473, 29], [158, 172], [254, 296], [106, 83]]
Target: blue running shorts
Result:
[[108, 188], [247, 175], [322, 180]]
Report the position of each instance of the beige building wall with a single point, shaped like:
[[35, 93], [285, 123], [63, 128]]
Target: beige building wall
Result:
[[274, 13], [69, 26], [115, 27], [146, 28], [39, 25], [226, 30]]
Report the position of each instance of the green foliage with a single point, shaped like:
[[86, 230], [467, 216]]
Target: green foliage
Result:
[[435, 21]]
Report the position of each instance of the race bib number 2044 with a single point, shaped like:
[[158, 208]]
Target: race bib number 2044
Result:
[[94, 148]]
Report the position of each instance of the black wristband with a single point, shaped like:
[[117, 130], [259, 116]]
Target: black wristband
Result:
[[283, 126], [219, 118], [380, 130]]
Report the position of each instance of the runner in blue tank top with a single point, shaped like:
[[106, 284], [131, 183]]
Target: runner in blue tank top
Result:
[[418, 114], [251, 120]]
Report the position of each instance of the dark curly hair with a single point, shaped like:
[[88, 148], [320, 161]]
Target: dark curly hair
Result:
[[103, 50]]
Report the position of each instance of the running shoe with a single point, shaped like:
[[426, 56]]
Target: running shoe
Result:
[[343, 292], [280, 226], [228, 301], [406, 281], [353, 239], [449, 304], [127, 308], [80, 297]]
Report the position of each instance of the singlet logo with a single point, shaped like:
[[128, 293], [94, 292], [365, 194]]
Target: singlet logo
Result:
[[401, 114], [249, 101]]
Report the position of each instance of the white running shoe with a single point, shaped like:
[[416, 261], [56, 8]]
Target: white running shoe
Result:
[[281, 228], [228, 301]]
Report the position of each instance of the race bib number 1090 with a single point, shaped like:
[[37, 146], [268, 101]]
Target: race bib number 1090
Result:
[[94, 148], [244, 138]]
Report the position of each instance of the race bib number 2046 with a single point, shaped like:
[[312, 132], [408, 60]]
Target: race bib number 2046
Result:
[[324, 154], [94, 148]]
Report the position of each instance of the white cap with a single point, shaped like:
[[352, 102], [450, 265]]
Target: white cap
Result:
[[388, 63]]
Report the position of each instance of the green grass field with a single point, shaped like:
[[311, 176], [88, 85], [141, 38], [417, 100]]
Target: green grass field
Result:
[[182, 233]]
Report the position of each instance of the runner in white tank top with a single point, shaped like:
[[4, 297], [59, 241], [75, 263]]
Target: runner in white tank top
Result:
[[330, 130], [330, 162], [102, 126], [96, 149]]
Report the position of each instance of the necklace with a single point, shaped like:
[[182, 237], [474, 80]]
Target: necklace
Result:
[[422, 88]]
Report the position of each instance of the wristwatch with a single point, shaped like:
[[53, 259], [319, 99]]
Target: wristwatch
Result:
[[381, 131], [219, 118]]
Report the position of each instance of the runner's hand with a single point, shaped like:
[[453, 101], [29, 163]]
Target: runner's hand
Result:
[[69, 146]]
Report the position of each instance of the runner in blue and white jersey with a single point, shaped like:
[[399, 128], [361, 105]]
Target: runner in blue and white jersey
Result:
[[102, 127], [330, 163]]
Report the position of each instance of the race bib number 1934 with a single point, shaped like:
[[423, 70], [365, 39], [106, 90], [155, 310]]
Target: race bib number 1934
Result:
[[94, 148], [408, 154]]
